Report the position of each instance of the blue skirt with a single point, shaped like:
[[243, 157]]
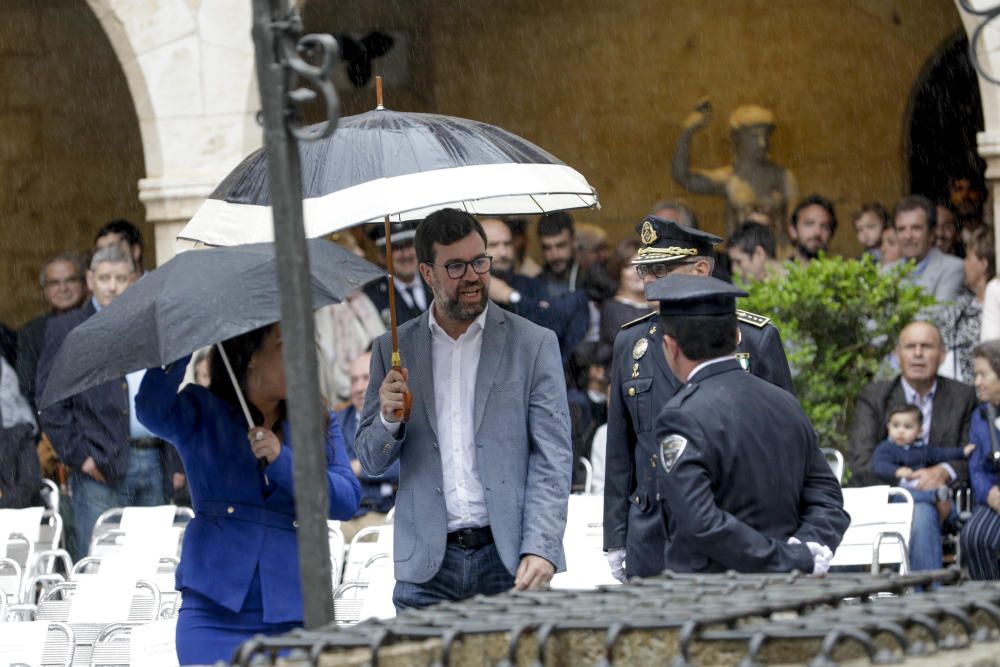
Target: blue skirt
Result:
[[208, 632]]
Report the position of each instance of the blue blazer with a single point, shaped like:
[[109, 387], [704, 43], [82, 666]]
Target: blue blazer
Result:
[[241, 525], [982, 475], [889, 457]]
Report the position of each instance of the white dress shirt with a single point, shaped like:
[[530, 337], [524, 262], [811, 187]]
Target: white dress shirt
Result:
[[926, 405], [455, 363], [413, 293]]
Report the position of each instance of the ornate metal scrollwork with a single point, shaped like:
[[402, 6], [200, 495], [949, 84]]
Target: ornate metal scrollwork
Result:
[[988, 16], [297, 52]]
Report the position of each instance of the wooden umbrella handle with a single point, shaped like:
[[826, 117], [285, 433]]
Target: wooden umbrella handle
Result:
[[402, 416]]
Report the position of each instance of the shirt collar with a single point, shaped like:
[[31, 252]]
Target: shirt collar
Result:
[[706, 364], [478, 324], [911, 394], [97, 306]]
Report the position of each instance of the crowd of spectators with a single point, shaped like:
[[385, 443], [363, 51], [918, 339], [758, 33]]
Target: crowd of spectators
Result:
[[584, 288]]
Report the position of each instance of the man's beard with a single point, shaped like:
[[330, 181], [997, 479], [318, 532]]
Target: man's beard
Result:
[[809, 253], [465, 312], [564, 267]]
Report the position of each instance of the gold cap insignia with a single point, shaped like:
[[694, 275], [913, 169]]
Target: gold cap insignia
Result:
[[648, 233], [639, 349]]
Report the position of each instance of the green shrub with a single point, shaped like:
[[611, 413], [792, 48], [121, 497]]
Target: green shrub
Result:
[[839, 319]]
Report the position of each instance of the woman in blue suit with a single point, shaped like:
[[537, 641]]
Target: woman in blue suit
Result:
[[239, 569], [981, 535]]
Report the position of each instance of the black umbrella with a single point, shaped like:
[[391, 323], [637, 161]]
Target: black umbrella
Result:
[[198, 298], [401, 165]]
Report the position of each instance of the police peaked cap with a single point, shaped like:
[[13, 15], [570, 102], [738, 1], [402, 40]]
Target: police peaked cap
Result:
[[681, 295], [665, 241], [401, 231]]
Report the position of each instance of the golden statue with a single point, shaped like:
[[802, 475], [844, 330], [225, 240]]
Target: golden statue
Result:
[[753, 183]]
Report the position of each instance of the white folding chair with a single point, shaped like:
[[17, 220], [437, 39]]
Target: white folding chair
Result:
[[46, 643], [583, 544], [57, 605], [364, 546], [836, 461], [336, 538], [879, 533], [108, 534]]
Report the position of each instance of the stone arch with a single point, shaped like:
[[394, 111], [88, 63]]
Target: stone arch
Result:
[[190, 69], [988, 53]]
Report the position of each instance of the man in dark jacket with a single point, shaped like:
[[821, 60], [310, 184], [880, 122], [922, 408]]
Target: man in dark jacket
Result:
[[114, 460], [744, 484], [568, 314], [946, 407]]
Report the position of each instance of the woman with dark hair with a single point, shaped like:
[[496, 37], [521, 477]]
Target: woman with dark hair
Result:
[[981, 535], [629, 301], [239, 571]]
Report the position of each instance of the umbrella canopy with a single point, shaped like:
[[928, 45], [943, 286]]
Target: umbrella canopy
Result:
[[196, 299], [404, 165]]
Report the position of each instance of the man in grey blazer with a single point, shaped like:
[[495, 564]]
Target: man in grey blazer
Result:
[[939, 274], [485, 455]]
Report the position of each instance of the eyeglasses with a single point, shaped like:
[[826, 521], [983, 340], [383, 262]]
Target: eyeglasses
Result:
[[63, 282], [658, 270], [457, 270]]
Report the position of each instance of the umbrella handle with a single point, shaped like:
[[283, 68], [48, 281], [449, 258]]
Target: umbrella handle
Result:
[[403, 415], [261, 462]]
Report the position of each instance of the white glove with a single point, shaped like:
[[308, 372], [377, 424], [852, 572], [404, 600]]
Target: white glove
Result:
[[820, 552], [616, 560]]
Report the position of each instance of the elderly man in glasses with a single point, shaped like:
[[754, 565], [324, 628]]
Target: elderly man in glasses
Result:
[[642, 383], [64, 288]]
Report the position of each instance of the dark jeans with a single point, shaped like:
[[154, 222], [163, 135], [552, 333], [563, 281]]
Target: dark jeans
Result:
[[142, 486], [463, 574]]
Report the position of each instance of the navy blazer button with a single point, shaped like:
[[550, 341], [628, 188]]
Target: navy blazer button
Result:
[[437, 491], [230, 509], [295, 524]]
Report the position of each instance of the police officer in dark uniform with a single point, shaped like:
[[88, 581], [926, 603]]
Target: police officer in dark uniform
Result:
[[641, 383], [412, 293], [744, 485]]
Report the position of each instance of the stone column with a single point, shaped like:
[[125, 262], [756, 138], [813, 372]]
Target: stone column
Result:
[[190, 69]]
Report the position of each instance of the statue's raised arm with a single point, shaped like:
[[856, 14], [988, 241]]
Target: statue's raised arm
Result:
[[696, 180]]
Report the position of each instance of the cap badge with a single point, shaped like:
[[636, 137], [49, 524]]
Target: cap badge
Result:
[[639, 349], [648, 233]]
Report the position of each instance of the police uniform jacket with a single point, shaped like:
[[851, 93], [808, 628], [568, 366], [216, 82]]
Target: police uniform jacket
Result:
[[378, 292], [741, 473], [641, 384], [244, 525]]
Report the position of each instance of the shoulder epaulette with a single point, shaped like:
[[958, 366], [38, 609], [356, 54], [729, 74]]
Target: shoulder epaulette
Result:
[[638, 319], [754, 319], [682, 394]]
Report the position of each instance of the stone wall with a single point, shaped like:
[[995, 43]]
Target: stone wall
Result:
[[605, 86], [70, 150]]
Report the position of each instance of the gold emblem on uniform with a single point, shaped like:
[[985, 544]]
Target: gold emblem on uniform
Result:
[[652, 330], [635, 372], [631, 391], [744, 359], [648, 233], [639, 349]]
